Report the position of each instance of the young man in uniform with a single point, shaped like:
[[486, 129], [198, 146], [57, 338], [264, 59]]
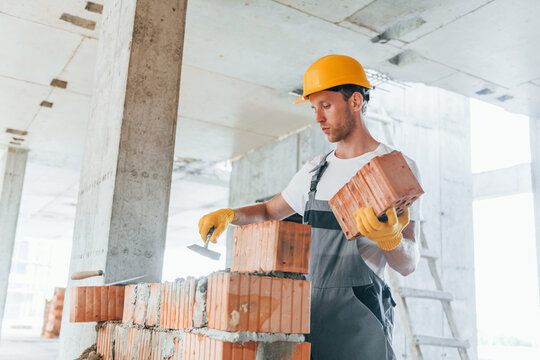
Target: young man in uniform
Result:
[[351, 306]]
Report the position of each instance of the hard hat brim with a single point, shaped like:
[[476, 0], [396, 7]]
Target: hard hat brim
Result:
[[300, 100]]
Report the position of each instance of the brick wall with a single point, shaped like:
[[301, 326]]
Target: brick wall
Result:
[[259, 311]]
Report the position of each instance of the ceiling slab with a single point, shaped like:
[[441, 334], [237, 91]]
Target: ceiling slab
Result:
[[213, 143], [80, 69], [62, 127], [273, 44], [415, 68], [332, 11], [34, 52], [469, 85], [19, 102], [233, 103], [495, 43], [48, 13], [526, 98], [412, 19]]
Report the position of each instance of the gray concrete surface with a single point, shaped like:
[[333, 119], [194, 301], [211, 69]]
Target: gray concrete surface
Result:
[[12, 168], [123, 202], [534, 130], [502, 182], [431, 126]]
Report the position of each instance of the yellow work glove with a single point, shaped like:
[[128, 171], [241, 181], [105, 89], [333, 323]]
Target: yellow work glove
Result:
[[219, 220], [387, 235]]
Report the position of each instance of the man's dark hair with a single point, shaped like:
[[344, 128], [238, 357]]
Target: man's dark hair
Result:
[[348, 89]]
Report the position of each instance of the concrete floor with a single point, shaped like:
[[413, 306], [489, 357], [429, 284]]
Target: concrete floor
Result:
[[27, 347]]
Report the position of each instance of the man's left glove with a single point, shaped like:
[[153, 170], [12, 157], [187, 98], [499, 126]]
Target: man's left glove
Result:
[[387, 235], [219, 220]]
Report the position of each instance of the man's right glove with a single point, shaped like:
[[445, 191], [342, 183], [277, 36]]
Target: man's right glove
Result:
[[219, 220]]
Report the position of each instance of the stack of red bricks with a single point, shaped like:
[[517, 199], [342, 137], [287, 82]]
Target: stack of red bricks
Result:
[[53, 314], [261, 307], [386, 181]]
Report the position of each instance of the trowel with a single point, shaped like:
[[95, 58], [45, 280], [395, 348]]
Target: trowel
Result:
[[79, 275], [203, 250]]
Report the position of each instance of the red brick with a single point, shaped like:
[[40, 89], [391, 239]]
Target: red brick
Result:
[[152, 314], [141, 304], [177, 303], [241, 302], [198, 347], [272, 246], [385, 182], [129, 342], [88, 303], [105, 340], [129, 304]]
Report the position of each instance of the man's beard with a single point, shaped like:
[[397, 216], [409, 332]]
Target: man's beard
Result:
[[344, 131]]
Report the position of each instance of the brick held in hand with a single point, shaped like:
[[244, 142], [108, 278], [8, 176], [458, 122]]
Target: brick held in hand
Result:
[[386, 181], [241, 302], [272, 246]]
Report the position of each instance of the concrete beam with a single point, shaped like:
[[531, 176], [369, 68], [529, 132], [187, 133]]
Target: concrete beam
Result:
[[502, 182], [12, 179], [123, 202], [534, 130]]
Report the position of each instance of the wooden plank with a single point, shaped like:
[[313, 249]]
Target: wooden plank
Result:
[[425, 294], [440, 341]]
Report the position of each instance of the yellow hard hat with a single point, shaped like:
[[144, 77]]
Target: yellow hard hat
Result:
[[330, 71]]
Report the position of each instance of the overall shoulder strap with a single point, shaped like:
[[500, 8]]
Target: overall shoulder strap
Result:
[[318, 172]]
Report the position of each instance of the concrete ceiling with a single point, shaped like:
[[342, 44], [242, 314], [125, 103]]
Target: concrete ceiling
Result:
[[237, 74], [241, 59]]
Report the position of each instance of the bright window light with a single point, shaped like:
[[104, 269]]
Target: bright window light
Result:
[[508, 315]]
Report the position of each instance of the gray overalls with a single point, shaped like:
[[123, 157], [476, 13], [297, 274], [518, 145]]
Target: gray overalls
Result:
[[351, 307]]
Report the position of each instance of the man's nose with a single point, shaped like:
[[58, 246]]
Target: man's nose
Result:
[[319, 116]]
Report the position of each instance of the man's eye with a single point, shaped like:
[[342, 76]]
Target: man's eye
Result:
[[326, 106]]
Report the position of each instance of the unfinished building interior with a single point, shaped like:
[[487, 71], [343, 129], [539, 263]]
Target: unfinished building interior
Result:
[[122, 122]]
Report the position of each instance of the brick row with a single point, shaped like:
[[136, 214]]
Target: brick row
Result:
[[198, 347], [386, 181], [96, 303], [177, 304], [241, 302], [272, 246], [121, 342]]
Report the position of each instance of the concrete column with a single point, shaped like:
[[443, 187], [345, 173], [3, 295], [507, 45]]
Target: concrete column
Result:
[[11, 184], [123, 203], [534, 130]]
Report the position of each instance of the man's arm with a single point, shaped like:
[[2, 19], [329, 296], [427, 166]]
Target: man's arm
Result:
[[275, 209], [405, 257]]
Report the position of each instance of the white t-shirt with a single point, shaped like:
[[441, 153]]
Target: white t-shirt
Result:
[[337, 174]]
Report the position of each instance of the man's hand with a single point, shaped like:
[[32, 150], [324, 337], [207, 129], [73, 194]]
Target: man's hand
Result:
[[387, 235], [219, 220]]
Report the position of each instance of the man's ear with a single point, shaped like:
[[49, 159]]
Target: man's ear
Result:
[[356, 101]]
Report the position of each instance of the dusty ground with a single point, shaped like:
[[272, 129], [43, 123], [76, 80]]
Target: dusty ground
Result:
[[27, 347]]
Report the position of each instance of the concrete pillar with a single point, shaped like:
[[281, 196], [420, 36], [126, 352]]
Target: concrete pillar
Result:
[[534, 130], [122, 209], [11, 184]]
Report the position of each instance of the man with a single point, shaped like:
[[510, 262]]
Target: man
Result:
[[351, 306]]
